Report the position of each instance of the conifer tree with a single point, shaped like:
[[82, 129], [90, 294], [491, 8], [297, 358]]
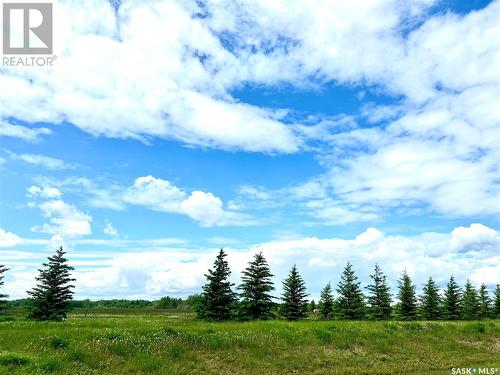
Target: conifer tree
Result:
[[484, 302], [379, 300], [256, 285], [50, 298], [217, 301], [350, 304], [407, 298], [294, 296], [452, 300], [496, 305], [3, 297], [326, 302], [430, 301], [470, 302]]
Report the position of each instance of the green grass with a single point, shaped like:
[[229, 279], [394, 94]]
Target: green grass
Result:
[[179, 344]]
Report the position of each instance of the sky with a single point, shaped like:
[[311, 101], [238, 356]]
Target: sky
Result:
[[318, 132]]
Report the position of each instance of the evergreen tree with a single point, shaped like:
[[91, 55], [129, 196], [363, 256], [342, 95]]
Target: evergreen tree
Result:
[[379, 300], [50, 298], [452, 300], [470, 302], [326, 302], [3, 297], [218, 300], [430, 301], [294, 296], [496, 306], [350, 304], [407, 298], [484, 302], [256, 284]]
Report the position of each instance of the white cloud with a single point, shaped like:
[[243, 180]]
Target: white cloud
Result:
[[185, 93], [203, 207], [330, 212], [178, 96], [44, 192], [437, 149], [110, 230], [155, 193], [9, 239], [65, 220], [23, 132], [42, 161], [476, 237]]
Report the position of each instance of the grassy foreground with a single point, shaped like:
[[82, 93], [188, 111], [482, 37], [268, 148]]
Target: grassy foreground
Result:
[[178, 344]]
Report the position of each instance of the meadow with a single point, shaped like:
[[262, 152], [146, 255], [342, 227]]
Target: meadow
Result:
[[120, 341]]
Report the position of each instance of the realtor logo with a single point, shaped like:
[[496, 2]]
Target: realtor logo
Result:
[[27, 28]]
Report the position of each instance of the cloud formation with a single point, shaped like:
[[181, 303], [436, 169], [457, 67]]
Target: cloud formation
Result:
[[203, 207], [65, 221], [41, 160]]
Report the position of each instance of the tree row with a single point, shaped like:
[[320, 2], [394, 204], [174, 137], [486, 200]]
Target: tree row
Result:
[[253, 299]]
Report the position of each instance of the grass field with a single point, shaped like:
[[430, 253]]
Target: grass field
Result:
[[176, 343]]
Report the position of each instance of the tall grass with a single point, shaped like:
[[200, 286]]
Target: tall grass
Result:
[[179, 344]]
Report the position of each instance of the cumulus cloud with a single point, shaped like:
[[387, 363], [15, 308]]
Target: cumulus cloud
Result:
[[65, 220], [43, 192], [438, 148], [203, 207], [9, 239], [435, 147], [476, 237], [218, 46], [180, 95]]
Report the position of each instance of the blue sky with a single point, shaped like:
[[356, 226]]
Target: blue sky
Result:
[[317, 132]]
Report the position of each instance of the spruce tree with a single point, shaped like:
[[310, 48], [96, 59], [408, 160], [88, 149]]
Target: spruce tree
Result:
[[326, 302], [452, 300], [294, 296], [470, 302], [3, 297], [379, 300], [430, 301], [407, 298], [484, 302], [50, 298], [350, 304], [217, 301], [256, 285], [496, 306]]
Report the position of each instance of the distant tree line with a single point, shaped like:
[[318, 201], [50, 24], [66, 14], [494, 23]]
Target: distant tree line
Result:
[[52, 297], [219, 301], [169, 303]]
